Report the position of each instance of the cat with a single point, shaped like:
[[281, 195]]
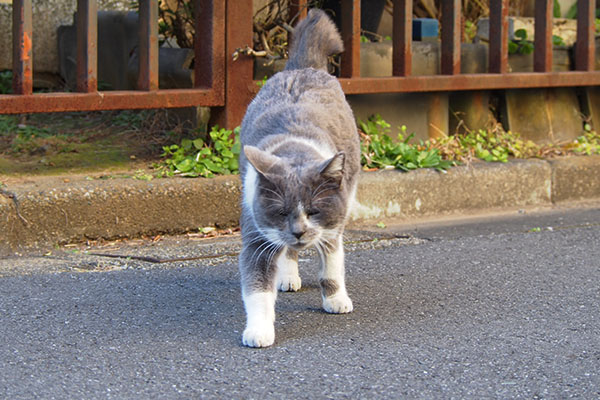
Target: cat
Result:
[[299, 169]]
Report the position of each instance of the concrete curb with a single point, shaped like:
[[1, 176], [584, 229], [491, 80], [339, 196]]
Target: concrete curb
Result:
[[480, 186], [54, 212], [58, 210]]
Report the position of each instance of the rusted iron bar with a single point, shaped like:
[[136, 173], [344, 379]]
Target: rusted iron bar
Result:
[[542, 53], [445, 83], [148, 45], [351, 36], [87, 49], [298, 9], [585, 48], [22, 47], [112, 100], [451, 36], [402, 40], [238, 73], [203, 42], [498, 56], [209, 45]]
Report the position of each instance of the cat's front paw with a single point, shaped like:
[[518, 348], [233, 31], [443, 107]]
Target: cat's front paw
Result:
[[289, 283], [259, 336], [338, 304]]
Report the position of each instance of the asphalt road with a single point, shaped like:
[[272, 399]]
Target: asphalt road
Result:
[[493, 308]]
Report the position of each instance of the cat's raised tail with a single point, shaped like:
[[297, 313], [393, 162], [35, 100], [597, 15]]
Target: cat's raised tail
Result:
[[314, 39]]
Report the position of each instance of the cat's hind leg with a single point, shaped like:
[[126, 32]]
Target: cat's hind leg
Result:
[[288, 279], [332, 281], [258, 270]]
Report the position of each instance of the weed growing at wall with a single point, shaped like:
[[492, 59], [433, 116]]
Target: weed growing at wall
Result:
[[522, 45], [495, 145], [219, 155], [379, 150], [588, 143], [193, 158]]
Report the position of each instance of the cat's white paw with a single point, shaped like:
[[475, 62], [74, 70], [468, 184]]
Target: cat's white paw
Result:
[[259, 335], [289, 283], [339, 303]]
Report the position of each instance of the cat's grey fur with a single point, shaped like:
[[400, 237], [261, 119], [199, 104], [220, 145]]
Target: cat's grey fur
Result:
[[299, 167]]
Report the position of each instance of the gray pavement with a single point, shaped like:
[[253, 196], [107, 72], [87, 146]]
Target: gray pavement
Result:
[[487, 308]]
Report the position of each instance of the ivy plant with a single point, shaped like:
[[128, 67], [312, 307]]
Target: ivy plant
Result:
[[522, 45], [197, 157], [379, 150]]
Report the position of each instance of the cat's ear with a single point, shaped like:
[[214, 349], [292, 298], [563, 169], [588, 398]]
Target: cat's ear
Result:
[[262, 161], [334, 167]]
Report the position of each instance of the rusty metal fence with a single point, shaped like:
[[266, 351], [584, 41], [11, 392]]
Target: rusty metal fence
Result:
[[451, 79], [209, 69], [223, 26]]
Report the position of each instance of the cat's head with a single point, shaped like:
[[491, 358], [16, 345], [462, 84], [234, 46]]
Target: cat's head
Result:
[[297, 205]]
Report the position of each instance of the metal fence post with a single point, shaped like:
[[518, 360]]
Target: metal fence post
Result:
[[22, 47], [87, 46], [238, 73], [148, 48]]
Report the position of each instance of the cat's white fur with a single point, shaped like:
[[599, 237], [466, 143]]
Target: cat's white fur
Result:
[[260, 318], [250, 181], [288, 278], [250, 185], [333, 269], [324, 152]]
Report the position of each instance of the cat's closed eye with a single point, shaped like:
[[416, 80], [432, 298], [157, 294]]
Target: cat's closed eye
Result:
[[313, 212]]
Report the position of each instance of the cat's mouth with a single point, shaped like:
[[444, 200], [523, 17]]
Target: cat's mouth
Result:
[[300, 245]]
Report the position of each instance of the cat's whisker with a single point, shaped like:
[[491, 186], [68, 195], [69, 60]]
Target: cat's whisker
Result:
[[316, 196], [319, 197], [279, 196], [257, 237], [270, 252], [257, 250], [325, 182], [322, 253], [323, 245], [264, 246], [274, 252], [318, 187]]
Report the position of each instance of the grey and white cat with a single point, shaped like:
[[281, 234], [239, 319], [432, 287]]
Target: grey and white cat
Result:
[[299, 167]]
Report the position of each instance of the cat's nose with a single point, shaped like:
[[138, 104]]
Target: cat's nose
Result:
[[298, 234]]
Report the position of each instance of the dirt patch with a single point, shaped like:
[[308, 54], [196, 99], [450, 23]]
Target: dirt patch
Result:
[[56, 143]]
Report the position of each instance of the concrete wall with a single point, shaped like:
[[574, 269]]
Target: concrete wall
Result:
[[48, 15]]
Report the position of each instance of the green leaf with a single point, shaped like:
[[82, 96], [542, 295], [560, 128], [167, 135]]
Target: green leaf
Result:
[[572, 12], [186, 144], [521, 34], [233, 165], [556, 9], [212, 166], [198, 143], [557, 41], [185, 165]]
